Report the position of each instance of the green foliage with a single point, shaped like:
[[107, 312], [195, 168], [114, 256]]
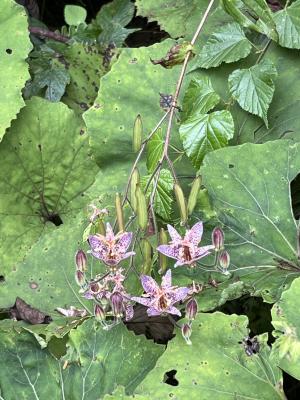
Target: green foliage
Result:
[[36, 186], [155, 148], [285, 319], [14, 48], [215, 361], [254, 87], [202, 133], [199, 98], [228, 44], [288, 26], [74, 15], [262, 232]]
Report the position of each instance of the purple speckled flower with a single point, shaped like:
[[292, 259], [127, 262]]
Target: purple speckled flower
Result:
[[111, 248], [161, 300], [185, 250]]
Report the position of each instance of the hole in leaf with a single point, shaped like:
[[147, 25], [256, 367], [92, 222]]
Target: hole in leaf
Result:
[[295, 194], [170, 379], [2, 279], [8, 51], [54, 218], [230, 166]]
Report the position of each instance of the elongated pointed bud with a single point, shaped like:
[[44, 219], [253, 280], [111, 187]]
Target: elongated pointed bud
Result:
[[135, 179], [192, 200], [137, 134], [99, 313], [141, 210], [218, 239], [163, 261], [119, 212], [147, 257], [117, 304], [181, 203], [224, 261], [81, 260], [101, 227], [80, 278], [186, 332], [191, 309]]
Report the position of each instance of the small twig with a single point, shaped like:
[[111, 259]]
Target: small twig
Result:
[[48, 34]]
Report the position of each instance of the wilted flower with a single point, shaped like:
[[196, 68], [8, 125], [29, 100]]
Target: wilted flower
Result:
[[99, 313], [161, 300], [97, 212], [185, 250], [111, 248], [186, 332], [80, 277]]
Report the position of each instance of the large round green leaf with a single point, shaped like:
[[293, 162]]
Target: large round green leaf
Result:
[[262, 232], [45, 168], [132, 87], [14, 48], [215, 365], [286, 321]]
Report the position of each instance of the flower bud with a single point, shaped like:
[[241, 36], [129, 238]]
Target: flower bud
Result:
[[191, 309], [224, 260], [192, 200], [101, 227], [186, 332], [163, 261], [119, 212], [81, 260], [99, 313], [137, 134], [147, 256], [135, 179], [80, 277], [142, 212], [117, 304], [218, 239], [181, 203]]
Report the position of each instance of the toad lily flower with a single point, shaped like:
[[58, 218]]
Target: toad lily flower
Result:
[[185, 250], [111, 248], [161, 300]]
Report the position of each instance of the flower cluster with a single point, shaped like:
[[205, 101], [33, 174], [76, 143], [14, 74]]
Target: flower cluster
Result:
[[111, 300]]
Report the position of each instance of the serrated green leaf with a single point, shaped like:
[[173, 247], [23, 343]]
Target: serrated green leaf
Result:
[[215, 360], [154, 150], [261, 233], [177, 17], [201, 134], [41, 178], [228, 44], [124, 94], [288, 26], [253, 88], [55, 79], [285, 319], [74, 15], [14, 48], [199, 97], [164, 195], [113, 18]]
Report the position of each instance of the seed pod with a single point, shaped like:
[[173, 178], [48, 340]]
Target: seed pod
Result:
[[99, 313], [137, 134], [79, 277], [163, 261], [117, 304], [191, 309], [224, 261], [147, 255], [81, 260], [119, 212], [218, 239], [186, 332], [141, 210], [181, 203], [135, 179], [192, 200], [101, 227]]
